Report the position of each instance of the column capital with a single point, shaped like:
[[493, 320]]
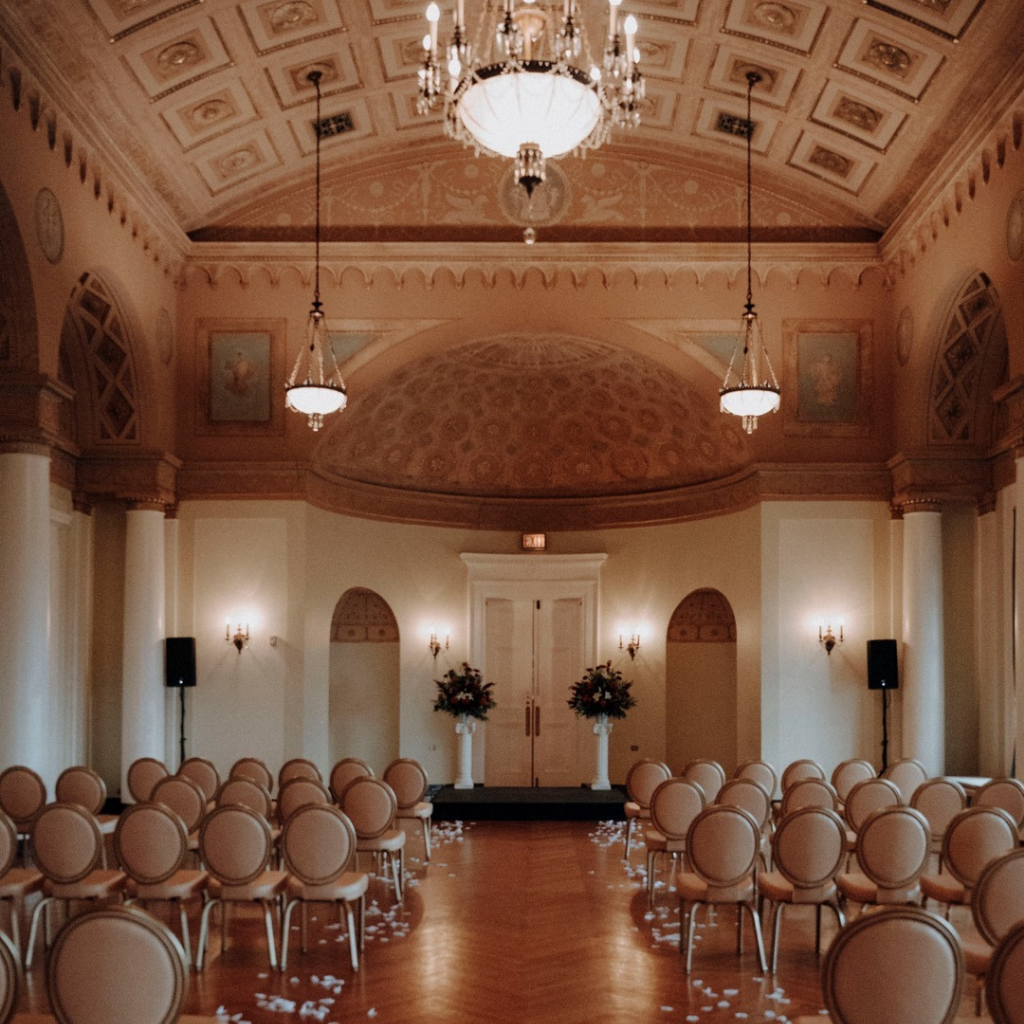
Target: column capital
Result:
[[31, 404], [147, 506], [146, 478], [933, 476]]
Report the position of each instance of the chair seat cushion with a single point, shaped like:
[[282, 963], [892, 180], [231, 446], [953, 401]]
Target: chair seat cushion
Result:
[[977, 956], [944, 888], [657, 841], [349, 886], [634, 810], [266, 887], [107, 823], [392, 840], [20, 882], [775, 887], [421, 810], [693, 889], [857, 887], [97, 885], [182, 885]]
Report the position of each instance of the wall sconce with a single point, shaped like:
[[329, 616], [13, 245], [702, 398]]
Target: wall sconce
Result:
[[827, 638], [634, 643], [435, 643], [240, 639]]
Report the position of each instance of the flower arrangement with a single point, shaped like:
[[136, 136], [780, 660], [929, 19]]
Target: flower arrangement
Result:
[[463, 692], [601, 691]]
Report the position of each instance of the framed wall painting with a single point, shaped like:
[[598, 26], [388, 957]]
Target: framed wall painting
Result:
[[827, 377], [240, 376]]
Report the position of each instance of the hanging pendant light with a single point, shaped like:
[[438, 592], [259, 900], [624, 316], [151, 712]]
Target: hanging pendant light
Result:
[[750, 392], [315, 386]]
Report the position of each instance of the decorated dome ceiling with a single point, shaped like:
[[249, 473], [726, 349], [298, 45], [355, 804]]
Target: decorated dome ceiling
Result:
[[532, 416]]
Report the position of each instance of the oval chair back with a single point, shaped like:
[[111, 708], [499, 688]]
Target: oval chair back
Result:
[[89, 978], [848, 773], [82, 786], [867, 797], [370, 805], [906, 774], [892, 849], [723, 845], [975, 837], [1005, 793], [253, 768], [409, 781], [809, 793], [247, 793], [940, 801], [67, 843], [22, 795], [674, 805], [761, 772], [347, 769], [10, 967], [150, 843], [318, 843], [143, 774], [805, 768], [1003, 991], [298, 768], [203, 772], [184, 797], [236, 844], [643, 779], [901, 965], [749, 794], [809, 847], [998, 899], [8, 844], [300, 791], [708, 774]]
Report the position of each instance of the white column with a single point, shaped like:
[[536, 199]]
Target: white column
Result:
[[142, 684], [924, 683], [989, 646], [602, 730], [465, 727], [25, 604], [1015, 706]]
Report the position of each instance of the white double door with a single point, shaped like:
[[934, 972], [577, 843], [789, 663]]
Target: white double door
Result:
[[533, 651]]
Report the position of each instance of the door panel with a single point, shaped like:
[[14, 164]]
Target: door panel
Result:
[[559, 636], [508, 660]]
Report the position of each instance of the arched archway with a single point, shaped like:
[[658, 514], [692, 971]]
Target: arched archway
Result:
[[364, 679], [700, 681], [19, 336]]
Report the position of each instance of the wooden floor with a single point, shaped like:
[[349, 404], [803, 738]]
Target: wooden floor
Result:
[[518, 922]]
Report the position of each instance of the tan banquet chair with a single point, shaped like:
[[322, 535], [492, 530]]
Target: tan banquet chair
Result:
[[892, 851], [248, 792], [708, 774], [255, 769], [809, 793], [749, 794], [940, 801], [674, 805], [805, 768], [722, 849], [203, 772], [848, 773], [187, 800], [807, 851], [117, 965], [408, 779], [22, 797], [15, 883], [906, 774], [1007, 794], [83, 786], [1004, 993], [761, 772], [642, 780], [299, 791], [347, 769], [862, 801], [319, 846], [151, 845], [997, 904], [143, 774], [901, 965], [235, 844], [67, 844], [10, 978], [371, 806], [974, 837], [298, 768]]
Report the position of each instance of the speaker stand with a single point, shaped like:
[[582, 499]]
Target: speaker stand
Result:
[[182, 735], [885, 728]]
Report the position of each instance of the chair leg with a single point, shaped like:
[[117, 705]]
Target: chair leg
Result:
[[427, 824], [752, 909], [304, 918], [362, 924], [817, 930], [285, 925], [629, 835], [840, 916], [396, 874], [689, 936], [268, 918], [41, 908], [186, 945], [204, 929], [774, 919], [352, 938], [651, 858], [739, 930]]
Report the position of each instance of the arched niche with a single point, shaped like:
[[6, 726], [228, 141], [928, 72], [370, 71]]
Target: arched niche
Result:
[[364, 679], [700, 681]]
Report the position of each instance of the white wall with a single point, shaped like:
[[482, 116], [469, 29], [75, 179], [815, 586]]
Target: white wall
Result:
[[364, 700], [700, 704]]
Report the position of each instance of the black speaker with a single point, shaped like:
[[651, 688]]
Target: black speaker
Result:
[[181, 661], [883, 669]]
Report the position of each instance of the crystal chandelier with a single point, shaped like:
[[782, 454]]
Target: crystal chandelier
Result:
[[526, 88], [748, 394], [315, 386]]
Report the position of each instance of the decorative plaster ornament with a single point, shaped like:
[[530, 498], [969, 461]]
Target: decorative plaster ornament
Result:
[[904, 335], [49, 225], [1015, 228]]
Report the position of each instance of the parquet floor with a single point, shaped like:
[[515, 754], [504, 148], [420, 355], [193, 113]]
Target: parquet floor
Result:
[[512, 923]]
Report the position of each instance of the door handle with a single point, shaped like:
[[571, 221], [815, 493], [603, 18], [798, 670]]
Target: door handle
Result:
[[536, 720], [527, 718]]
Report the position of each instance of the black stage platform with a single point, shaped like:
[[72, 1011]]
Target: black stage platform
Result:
[[525, 803]]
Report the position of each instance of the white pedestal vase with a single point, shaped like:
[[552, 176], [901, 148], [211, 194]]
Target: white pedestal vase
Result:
[[465, 727], [602, 730]]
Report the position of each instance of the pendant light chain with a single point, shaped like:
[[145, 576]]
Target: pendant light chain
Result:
[[752, 79], [315, 77]]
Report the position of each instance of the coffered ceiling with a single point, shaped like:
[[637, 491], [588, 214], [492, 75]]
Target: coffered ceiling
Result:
[[206, 104]]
